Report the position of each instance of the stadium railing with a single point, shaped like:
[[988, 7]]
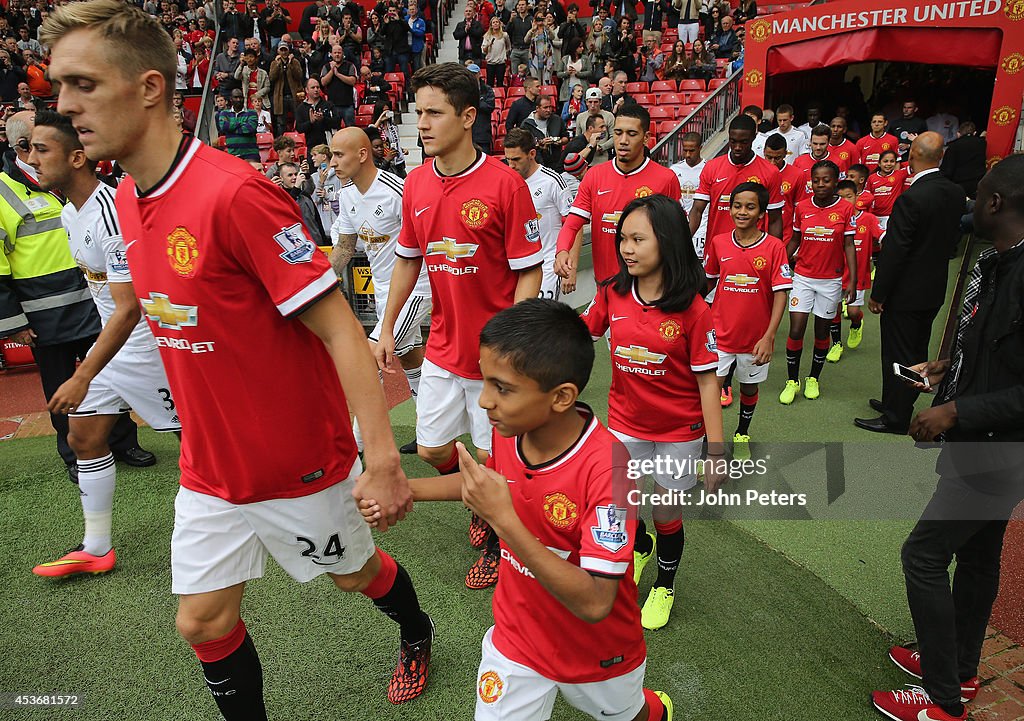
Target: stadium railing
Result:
[[206, 128], [708, 119]]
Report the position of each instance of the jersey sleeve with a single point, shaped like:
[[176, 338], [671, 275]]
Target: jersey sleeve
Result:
[[408, 243], [583, 203], [711, 267], [268, 239], [673, 188], [522, 231], [564, 200], [115, 258], [344, 222], [851, 220], [609, 521], [703, 191], [782, 274], [596, 314], [700, 338]]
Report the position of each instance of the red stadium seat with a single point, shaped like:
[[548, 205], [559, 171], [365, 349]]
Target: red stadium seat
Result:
[[662, 112], [686, 86], [652, 140], [666, 126], [499, 145], [515, 92], [671, 99], [685, 110], [395, 79], [723, 67], [499, 93], [363, 121], [264, 140], [697, 98], [364, 110], [634, 88], [663, 86], [551, 90], [645, 99], [716, 83]]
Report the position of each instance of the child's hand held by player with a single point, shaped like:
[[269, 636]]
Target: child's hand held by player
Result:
[[370, 511]]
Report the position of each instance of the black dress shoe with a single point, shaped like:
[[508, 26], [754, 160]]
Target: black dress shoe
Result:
[[878, 425], [138, 457], [408, 449], [876, 405], [73, 473]]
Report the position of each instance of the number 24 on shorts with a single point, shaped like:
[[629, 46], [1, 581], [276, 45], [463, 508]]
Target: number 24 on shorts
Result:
[[332, 553]]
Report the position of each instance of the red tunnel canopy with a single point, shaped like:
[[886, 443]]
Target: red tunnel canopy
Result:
[[973, 47]]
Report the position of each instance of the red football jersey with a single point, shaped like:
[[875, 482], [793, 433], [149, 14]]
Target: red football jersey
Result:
[[718, 179], [601, 198], [576, 505], [867, 239], [885, 188], [805, 162], [654, 393], [475, 231], [865, 200], [871, 147], [222, 265], [792, 185], [822, 236], [748, 278], [844, 155]]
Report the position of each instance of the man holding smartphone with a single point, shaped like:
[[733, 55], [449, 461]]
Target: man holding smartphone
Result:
[[548, 128]]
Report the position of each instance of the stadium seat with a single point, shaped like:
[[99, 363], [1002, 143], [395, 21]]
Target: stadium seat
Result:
[[264, 140], [499, 93], [363, 121], [665, 127], [663, 86], [499, 145], [662, 112], [673, 99], [686, 86], [697, 98], [551, 90], [396, 79], [515, 92], [364, 110], [685, 110], [652, 140], [723, 67], [634, 88], [645, 99], [716, 83]]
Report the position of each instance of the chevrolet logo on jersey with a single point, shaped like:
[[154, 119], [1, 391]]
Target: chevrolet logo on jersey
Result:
[[819, 231], [170, 315], [452, 250], [639, 354], [741, 279]]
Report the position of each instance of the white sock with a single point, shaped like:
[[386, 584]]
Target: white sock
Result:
[[413, 376], [96, 485]]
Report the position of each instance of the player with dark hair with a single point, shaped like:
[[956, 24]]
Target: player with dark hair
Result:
[[471, 219], [122, 369], [664, 395], [554, 490], [607, 189], [688, 171], [751, 273], [818, 150], [823, 233], [791, 181], [879, 140], [214, 285]]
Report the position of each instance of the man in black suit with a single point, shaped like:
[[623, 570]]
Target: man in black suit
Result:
[[910, 281], [964, 160], [470, 35]]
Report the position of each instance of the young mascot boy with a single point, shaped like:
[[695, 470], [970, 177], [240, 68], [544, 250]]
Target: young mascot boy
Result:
[[555, 496]]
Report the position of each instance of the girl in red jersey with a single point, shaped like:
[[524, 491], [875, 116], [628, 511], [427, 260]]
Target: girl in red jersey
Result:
[[664, 397], [886, 184]]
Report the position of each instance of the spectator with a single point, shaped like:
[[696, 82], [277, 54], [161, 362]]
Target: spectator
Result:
[[188, 118], [377, 63], [314, 117], [689, 12], [587, 143], [238, 126], [310, 59], [964, 159], [264, 121], [622, 9], [677, 64], [549, 130], [181, 68], [571, 108], [908, 127], [224, 67], [541, 63], [276, 20], [351, 37], [325, 185], [470, 35], [285, 85], [726, 43], [813, 119], [520, 24], [383, 157], [199, 65], [257, 25], [654, 61], [572, 29], [375, 37], [233, 24], [593, 100], [27, 42], [310, 17], [385, 124], [600, 30], [910, 281], [26, 100], [713, 22], [417, 35], [262, 57], [253, 80], [522, 107], [482, 134], [338, 80], [292, 180], [284, 146], [575, 71], [622, 48], [745, 11], [556, 42], [375, 88], [654, 16], [496, 47], [396, 30], [35, 73], [618, 95]]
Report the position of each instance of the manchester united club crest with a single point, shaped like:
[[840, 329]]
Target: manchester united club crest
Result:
[[1012, 63], [1014, 9], [991, 162], [862, 229], [760, 262], [670, 330], [843, 155], [754, 78], [642, 192], [474, 213], [786, 186], [755, 179], [560, 511], [759, 30], [834, 217], [1004, 114], [490, 687], [182, 252], [794, 302]]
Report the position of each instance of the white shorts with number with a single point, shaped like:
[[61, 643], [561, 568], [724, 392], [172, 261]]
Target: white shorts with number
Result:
[[685, 452], [132, 380], [550, 284], [858, 300], [509, 691], [747, 371], [820, 296], [217, 544], [408, 332], [447, 407]]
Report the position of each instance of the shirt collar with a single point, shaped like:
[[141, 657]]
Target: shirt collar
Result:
[[917, 176]]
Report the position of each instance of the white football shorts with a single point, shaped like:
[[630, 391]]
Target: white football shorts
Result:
[[132, 380], [687, 453], [447, 407], [408, 326], [746, 370], [819, 296]]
